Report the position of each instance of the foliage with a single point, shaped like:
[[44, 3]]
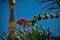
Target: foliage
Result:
[[50, 4], [36, 19], [33, 34]]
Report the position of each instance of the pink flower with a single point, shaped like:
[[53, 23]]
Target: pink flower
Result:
[[23, 21]]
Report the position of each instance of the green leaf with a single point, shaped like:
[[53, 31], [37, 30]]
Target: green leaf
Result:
[[45, 16], [39, 17]]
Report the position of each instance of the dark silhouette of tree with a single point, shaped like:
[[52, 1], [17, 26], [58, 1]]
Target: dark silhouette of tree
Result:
[[50, 4]]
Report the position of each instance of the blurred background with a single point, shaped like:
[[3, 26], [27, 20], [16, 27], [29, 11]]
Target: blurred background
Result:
[[28, 9]]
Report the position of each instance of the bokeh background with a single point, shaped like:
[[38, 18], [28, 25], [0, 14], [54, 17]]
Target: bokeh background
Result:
[[28, 9]]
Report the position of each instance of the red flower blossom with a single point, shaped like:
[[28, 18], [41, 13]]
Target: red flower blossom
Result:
[[23, 21]]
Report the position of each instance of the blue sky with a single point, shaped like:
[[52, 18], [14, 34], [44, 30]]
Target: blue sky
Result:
[[28, 9]]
